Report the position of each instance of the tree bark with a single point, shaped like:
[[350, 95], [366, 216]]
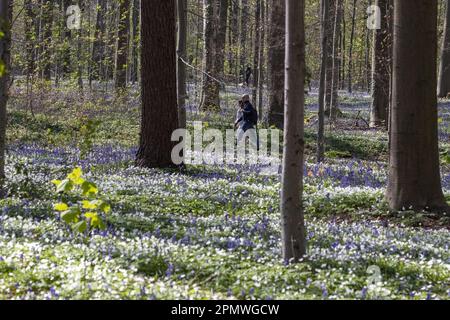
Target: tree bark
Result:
[[322, 85], [414, 175], [256, 56], [5, 60], [381, 67], [122, 44], [181, 67], [350, 51], [159, 84], [98, 45], [276, 63], [210, 87], [444, 68], [293, 227]]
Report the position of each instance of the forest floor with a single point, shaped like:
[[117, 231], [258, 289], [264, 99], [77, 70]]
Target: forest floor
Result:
[[209, 231]]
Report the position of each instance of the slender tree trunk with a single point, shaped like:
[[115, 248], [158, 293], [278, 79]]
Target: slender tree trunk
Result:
[[381, 67], [243, 37], [211, 88], [234, 20], [122, 44], [324, 4], [98, 45], [5, 56], [293, 227], [181, 67], [276, 63], [159, 84], [221, 36], [329, 71], [256, 56], [444, 68], [414, 175], [336, 60], [47, 21], [262, 62], [350, 51]]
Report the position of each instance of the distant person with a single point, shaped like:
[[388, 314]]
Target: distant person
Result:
[[248, 74], [247, 118]]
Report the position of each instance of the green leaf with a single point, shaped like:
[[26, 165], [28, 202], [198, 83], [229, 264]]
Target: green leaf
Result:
[[80, 226], [93, 219], [89, 188], [64, 186], [60, 207], [106, 208], [75, 176], [71, 216]]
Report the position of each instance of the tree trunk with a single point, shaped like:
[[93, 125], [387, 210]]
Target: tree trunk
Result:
[[414, 175], [262, 62], [256, 52], [324, 5], [444, 68], [122, 44], [243, 37], [159, 84], [276, 63], [293, 227], [181, 67], [98, 45], [350, 51], [329, 71], [211, 88], [221, 36], [47, 21], [336, 60], [381, 67], [5, 60]]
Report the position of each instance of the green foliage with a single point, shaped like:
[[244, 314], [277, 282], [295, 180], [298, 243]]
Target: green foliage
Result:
[[86, 213], [87, 134]]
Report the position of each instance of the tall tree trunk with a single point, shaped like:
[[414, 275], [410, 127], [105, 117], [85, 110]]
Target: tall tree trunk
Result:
[[381, 67], [414, 175], [444, 68], [256, 52], [244, 36], [98, 45], [47, 21], [329, 71], [5, 61], [336, 60], [350, 51], [181, 67], [159, 84], [324, 5], [293, 227], [234, 25], [262, 61], [276, 63], [122, 44], [134, 68], [211, 88], [221, 36]]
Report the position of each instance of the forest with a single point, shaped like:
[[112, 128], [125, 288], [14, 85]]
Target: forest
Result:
[[224, 150]]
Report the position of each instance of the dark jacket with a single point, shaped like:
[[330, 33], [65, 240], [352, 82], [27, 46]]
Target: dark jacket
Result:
[[249, 117]]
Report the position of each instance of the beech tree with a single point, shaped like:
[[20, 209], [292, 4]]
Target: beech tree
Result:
[[414, 175], [381, 67], [159, 84], [276, 63], [293, 226], [5, 57], [122, 44], [444, 67]]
